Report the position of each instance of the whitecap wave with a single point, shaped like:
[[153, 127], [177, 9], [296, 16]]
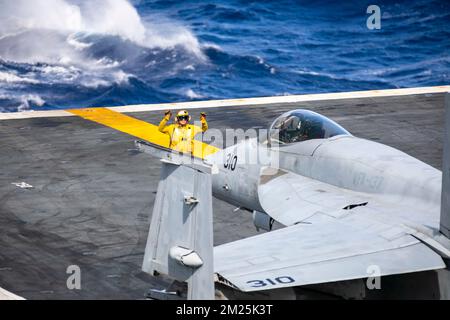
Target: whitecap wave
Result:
[[107, 17], [27, 101], [191, 94], [63, 31], [90, 44], [13, 78], [21, 103]]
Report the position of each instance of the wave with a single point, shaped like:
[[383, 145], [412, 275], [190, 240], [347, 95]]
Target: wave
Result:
[[80, 53], [13, 78], [88, 44], [24, 102], [108, 17]]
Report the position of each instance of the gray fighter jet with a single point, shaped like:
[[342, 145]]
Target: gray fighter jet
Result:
[[349, 206]]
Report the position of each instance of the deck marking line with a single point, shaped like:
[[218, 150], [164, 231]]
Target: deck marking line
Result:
[[137, 128]]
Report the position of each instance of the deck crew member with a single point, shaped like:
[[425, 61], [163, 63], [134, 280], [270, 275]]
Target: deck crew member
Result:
[[182, 133]]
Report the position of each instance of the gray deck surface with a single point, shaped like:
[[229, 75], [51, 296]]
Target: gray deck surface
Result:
[[93, 193]]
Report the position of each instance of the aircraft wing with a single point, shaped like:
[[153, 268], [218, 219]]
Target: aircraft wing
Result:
[[333, 234], [321, 249], [145, 131]]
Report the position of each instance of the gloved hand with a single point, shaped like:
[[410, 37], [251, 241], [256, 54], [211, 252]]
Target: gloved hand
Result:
[[202, 116], [168, 114]]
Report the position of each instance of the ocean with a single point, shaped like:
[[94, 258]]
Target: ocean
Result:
[[58, 54]]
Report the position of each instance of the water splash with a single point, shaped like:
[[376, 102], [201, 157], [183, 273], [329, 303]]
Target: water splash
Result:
[[107, 17], [91, 44]]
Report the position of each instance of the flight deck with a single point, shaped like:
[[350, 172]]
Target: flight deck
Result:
[[77, 192]]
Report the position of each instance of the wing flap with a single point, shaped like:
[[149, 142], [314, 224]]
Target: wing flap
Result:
[[291, 198]]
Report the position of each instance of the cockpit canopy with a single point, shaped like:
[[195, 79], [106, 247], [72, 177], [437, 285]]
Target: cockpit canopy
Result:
[[301, 125]]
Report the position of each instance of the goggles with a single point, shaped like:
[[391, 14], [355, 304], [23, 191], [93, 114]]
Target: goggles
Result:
[[181, 118]]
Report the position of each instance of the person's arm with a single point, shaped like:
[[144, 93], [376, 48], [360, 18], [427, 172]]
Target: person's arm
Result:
[[163, 124], [203, 121], [196, 129]]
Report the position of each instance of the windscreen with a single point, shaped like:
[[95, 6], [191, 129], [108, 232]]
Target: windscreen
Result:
[[301, 125]]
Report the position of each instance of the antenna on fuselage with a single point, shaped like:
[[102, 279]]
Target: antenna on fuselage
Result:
[[445, 203]]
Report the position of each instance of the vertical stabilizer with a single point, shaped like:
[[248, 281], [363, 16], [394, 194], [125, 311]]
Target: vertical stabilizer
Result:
[[180, 241], [445, 204]]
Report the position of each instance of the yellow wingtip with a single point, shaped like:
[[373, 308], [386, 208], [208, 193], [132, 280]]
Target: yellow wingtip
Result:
[[137, 128]]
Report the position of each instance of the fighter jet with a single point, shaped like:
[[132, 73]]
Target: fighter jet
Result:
[[348, 206]]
